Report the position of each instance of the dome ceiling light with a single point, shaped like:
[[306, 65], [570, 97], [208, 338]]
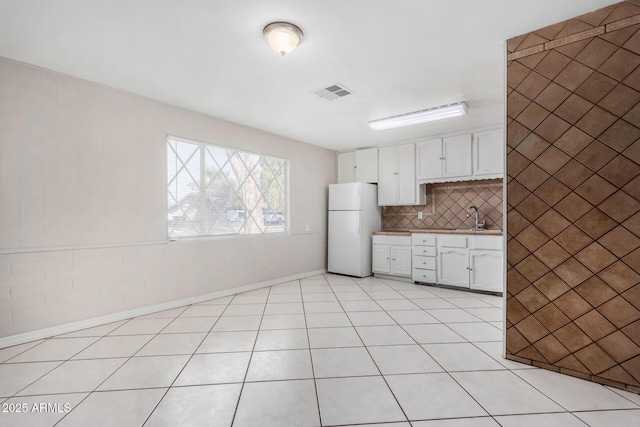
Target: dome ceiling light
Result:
[[282, 37]]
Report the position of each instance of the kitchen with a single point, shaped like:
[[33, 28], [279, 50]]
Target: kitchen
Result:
[[97, 252], [468, 172]]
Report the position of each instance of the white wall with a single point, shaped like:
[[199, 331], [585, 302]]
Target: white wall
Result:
[[83, 204]]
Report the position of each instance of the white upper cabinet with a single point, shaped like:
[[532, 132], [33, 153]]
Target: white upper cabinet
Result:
[[429, 162], [388, 176], [397, 176], [407, 186], [443, 158], [461, 157], [367, 165], [456, 156], [488, 153], [347, 167], [358, 166]]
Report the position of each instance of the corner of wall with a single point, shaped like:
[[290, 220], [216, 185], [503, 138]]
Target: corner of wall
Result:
[[573, 199]]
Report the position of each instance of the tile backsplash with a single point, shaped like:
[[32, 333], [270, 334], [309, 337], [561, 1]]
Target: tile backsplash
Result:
[[447, 205]]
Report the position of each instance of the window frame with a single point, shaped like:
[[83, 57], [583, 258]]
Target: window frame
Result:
[[230, 235]]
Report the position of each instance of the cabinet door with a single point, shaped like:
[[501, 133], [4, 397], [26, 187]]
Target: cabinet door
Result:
[[453, 267], [456, 151], [401, 260], [488, 153], [367, 165], [429, 162], [347, 167], [485, 268], [388, 176], [406, 174], [381, 261]]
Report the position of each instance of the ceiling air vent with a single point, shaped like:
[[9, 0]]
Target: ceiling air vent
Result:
[[332, 92]]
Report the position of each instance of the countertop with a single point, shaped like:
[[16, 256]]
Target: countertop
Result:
[[439, 231]]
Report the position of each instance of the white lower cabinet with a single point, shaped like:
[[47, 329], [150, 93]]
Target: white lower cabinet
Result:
[[469, 262], [453, 267], [401, 260], [424, 258], [392, 255], [485, 270], [452, 261]]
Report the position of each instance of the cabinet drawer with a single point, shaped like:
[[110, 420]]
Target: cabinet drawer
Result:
[[426, 262], [452, 242], [420, 239], [424, 250], [488, 242], [426, 276], [391, 240]]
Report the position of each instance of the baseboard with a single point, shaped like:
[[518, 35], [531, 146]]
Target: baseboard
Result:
[[392, 277], [123, 315]]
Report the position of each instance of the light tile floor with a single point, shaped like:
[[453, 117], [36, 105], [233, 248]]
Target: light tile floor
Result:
[[328, 350]]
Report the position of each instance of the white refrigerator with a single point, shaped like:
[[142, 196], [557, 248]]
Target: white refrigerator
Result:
[[353, 215]]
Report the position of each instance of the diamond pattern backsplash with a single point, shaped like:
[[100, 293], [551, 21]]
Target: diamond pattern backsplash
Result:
[[447, 206], [573, 197]]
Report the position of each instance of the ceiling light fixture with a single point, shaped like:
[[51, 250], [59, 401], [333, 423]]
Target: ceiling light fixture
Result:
[[429, 115], [282, 37]]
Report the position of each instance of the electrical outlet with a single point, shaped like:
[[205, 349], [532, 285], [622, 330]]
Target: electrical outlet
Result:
[[420, 215], [306, 227]]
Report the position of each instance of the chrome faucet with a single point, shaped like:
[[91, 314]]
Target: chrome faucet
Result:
[[479, 224]]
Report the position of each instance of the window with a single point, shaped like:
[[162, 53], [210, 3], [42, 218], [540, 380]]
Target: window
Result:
[[216, 191]]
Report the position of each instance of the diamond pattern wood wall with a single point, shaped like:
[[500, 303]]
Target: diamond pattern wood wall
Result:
[[573, 197]]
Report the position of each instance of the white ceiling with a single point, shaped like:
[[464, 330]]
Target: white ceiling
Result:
[[209, 56]]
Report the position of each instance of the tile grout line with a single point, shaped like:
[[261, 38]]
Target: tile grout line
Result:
[[15, 395], [558, 403], [313, 371], [155, 407], [367, 348], [448, 373], [335, 294], [244, 380], [95, 390]]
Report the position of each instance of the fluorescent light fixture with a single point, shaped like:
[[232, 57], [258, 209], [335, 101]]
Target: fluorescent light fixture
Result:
[[429, 115]]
